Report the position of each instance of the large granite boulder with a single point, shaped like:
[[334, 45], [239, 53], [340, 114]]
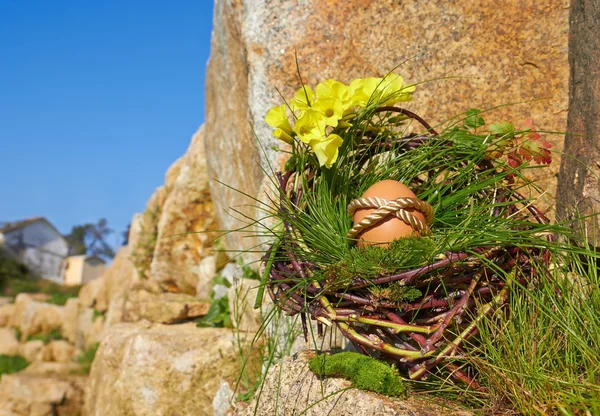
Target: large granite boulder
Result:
[[185, 230], [26, 394], [146, 369], [499, 53], [163, 307], [6, 311], [112, 283], [9, 344], [33, 317], [290, 388]]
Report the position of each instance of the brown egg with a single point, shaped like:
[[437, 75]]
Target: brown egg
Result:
[[390, 228]]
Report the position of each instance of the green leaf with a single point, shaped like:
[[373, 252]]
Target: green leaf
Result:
[[502, 128], [473, 119]]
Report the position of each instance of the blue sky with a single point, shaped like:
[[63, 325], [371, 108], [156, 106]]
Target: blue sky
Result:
[[97, 99]]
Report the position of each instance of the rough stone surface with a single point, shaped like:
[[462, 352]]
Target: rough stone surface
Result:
[[186, 219], [9, 345], [88, 294], [242, 296], [163, 307], [81, 326], [52, 368], [293, 390], [207, 269], [503, 53], [144, 233], [222, 401], [116, 278], [70, 318], [142, 369], [113, 282], [34, 317], [59, 351], [32, 350], [578, 191], [26, 394], [6, 312]]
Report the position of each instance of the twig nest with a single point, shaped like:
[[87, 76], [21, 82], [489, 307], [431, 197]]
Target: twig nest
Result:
[[388, 210]]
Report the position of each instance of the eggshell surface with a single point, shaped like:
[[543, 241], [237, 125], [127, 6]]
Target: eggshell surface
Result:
[[391, 228]]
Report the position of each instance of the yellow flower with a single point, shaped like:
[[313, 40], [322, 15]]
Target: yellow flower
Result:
[[334, 89], [393, 90], [282, 135], [327, 149], [331, 108], [303, 100], [361, 90], [277, 117], [383, 91], [311, 125]]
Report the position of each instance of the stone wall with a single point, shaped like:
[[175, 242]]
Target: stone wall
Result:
[[492, 53]]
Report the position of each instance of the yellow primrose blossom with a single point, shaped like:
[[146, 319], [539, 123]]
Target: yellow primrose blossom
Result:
[[390, 89], [334, 89], [311, 125], [393, 90], [331, 108], [361, 90], [277, 117], [327, 149], [282, 135], [300, 103]]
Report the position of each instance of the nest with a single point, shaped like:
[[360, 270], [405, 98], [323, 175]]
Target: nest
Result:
[[459, 289]]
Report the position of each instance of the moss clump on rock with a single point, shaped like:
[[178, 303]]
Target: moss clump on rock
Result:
[[366, 373]]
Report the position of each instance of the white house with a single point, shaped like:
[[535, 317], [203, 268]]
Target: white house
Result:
[[37, 244]]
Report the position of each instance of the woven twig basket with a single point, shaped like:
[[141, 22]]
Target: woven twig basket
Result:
[[459, 290]]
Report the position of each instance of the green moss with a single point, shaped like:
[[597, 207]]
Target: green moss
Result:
[[366, 373], [370, 262], [12, 363]]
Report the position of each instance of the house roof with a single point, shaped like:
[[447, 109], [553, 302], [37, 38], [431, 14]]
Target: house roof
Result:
[[15, 225]]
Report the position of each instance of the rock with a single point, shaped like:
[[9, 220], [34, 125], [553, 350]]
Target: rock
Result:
[[32, 351], [90, 330], [185, 231], [117, 278], [59, 351], [113, 282], [163, 307], [70, 319], [146, 369], [34, 317], [135, 230], [9, 345], [32, 395], [145, 232], [116, 311], [222, 401], [88, 294], [290, 388], [207, 269], [81, 326], [252, 60], [6, 311], [229, 273], [52, 368], [242, 296]]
